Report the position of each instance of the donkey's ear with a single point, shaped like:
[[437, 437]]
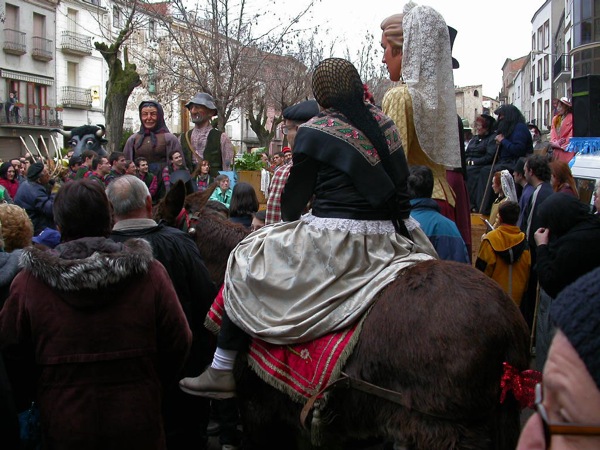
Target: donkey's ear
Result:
[[175, 198]]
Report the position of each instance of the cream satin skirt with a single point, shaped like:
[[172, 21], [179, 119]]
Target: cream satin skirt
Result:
[[291, 282]]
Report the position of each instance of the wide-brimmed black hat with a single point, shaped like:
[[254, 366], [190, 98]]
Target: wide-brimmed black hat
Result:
[[453, 33]]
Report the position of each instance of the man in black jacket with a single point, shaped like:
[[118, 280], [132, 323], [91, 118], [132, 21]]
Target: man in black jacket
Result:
[[132, 207]]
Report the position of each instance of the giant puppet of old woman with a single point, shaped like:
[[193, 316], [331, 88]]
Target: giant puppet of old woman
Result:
[[417, 50]]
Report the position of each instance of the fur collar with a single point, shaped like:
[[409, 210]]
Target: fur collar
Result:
[[88, 263]]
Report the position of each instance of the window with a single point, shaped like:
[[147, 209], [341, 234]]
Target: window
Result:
[[547, 34], [39, 25], [539, 113], [72, 74], [546, 67], [533, 42], [476, 93], [540, 39], [152, 30], [117, 18], [12, 17], [547, 117], [72, 20]]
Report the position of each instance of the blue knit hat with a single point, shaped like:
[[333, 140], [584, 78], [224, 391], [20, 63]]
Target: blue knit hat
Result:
[[576, 312], [48, 237]]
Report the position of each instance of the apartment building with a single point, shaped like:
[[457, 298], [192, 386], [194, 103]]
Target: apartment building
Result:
[[27, 76]]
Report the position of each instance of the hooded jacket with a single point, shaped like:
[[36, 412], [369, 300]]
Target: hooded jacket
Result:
[[107, 331], [504, 256]]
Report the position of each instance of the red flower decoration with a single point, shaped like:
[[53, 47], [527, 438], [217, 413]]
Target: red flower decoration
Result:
[[522, 385]]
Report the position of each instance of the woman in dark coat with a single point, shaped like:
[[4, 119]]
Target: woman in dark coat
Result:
[[514, 141], [568, 246], [104, 325], [480, 152]]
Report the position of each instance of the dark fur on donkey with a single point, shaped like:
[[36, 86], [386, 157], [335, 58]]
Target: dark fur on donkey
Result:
[[215, 237], [439, 335]]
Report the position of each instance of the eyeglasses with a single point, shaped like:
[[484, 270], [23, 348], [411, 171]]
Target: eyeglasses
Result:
[[560, 428]]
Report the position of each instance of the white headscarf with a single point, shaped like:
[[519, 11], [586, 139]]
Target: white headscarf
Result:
[[508, 186], [427, 72]]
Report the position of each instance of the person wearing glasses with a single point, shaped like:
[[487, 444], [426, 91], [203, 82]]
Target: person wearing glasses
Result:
[[568, 401]]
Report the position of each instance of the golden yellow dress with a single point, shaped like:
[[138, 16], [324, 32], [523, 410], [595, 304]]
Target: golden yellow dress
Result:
[[397, 104]]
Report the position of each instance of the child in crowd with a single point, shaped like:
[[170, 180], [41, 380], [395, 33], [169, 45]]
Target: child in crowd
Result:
[[504, 254]]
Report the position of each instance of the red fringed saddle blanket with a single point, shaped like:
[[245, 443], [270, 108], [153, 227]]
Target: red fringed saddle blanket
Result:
[[300, 370]]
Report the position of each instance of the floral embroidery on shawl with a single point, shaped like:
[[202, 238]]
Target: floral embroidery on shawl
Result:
[[336, 125]]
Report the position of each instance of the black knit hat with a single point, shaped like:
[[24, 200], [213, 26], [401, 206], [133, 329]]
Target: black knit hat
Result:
[[34, 171], [576, 312]]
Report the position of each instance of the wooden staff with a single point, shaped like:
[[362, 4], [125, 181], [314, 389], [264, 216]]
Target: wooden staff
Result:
[[36, 147], [45, 147], [25, 144], [57, 150]]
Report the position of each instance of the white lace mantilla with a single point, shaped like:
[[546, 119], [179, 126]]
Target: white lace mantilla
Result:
[[355, 226], [427, 72]]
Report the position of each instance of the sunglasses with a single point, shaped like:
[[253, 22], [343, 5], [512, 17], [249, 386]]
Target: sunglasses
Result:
[[560, 428]]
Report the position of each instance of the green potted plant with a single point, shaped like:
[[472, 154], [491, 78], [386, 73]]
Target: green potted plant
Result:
[[248, 168], [248, 161]]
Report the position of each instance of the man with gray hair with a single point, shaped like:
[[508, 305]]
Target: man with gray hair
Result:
[[203, 141], [176, 250]]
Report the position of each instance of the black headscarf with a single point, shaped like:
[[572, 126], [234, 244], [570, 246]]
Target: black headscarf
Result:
[[336, 84], [512, 116], [159, 128]]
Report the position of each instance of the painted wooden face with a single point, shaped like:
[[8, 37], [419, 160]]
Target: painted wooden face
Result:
[[392, 59]]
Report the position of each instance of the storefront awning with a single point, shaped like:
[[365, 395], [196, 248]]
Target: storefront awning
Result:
[[26, 77]]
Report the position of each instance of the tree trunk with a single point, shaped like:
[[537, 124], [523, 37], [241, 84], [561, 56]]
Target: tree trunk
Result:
[[114, 111], [122, 80]]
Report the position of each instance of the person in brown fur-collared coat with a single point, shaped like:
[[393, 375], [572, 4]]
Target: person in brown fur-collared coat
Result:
[[105, 328]]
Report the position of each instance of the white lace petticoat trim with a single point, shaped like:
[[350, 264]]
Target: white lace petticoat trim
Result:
[[355, 226]]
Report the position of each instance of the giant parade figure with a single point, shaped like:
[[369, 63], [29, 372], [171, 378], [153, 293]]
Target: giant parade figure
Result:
[[417, 51]]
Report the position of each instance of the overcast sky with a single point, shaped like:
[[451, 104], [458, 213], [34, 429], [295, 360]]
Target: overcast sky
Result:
[[488, 31]]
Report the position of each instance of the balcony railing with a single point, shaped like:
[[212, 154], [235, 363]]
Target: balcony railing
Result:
[[562, 65], [30, 117], [76, 43], [42, 49], [14, 42], [74, 97]]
